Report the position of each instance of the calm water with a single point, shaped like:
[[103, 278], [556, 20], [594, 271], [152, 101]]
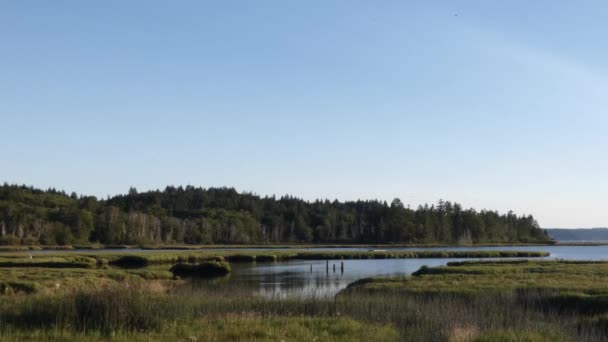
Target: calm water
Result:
[[295, 278], [289, 278]]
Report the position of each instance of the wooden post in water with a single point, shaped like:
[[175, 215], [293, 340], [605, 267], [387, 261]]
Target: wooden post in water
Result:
[[334, 268], [326, 266], [342, 267], [310, 268]]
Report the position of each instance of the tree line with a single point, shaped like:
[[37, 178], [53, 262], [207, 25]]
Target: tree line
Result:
[[194, 215]]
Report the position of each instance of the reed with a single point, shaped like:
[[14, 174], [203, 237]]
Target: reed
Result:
[[234, 314]]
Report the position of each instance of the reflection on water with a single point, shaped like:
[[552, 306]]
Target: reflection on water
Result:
[[315, 278], [294, 278]]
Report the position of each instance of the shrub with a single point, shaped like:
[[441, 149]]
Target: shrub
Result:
[[29, 241], [240, 258], [9, 240], [130, 261], [424, 269], [202, 270], [265, 258]]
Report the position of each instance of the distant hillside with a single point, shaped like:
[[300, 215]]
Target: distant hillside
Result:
[[224, 216], [579, 234]]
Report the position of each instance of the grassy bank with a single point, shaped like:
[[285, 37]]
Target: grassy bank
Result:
[[60, 280], [557, 300], [588, 278], [52, 262]]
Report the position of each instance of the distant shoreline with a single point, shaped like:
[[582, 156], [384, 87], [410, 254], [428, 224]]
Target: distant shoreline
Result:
[[289, 246]]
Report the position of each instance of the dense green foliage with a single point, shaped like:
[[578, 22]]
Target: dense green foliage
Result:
[[222, 215], [202, 270]]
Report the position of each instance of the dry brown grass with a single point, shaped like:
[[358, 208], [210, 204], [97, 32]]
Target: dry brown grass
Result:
[[463, 333]]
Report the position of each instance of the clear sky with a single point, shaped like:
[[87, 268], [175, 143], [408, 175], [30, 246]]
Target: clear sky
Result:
[[498, 105]]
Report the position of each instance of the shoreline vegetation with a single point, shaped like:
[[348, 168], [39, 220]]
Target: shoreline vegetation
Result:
[[26, 273], [177, 247], [93, 247], [143, 259]]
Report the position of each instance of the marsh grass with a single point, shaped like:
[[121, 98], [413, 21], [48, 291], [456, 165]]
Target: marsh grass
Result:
[[50, 262], [510, 301], [229, 328], [105, 309], [513, 300], [59, 280], [11, 287], [564, 278], [218, 313], [128, 309]]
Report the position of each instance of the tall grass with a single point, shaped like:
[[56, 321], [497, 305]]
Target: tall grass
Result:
[[108, 309], [417, 317], [465, 301]]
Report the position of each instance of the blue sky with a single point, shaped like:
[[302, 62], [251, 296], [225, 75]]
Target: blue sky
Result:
[[499, 105]]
